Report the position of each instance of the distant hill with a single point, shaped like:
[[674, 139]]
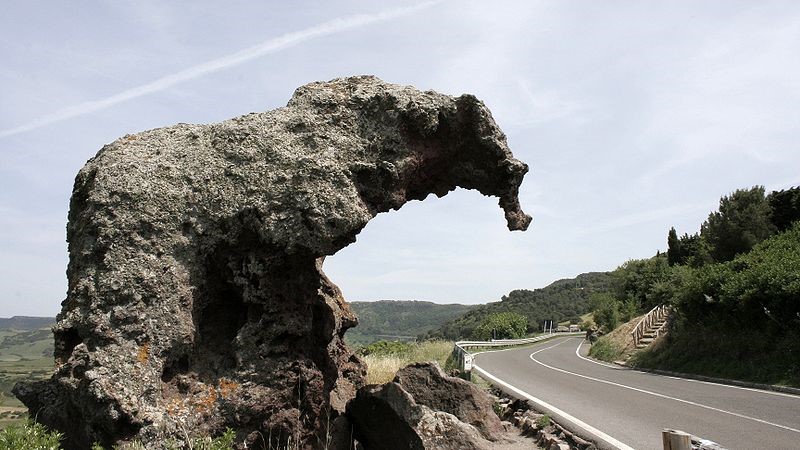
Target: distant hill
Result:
[[399, 320], [26, 352], [22, 323], [560, 301], [26, 338]]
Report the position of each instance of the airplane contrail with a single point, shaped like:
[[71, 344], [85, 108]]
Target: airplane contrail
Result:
[[271, 46]]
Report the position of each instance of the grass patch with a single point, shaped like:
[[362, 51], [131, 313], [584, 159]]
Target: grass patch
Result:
[[543, 422], [13, 371], [617, 345], [606, 350], [385, 359], [479, 381], [29, 436]]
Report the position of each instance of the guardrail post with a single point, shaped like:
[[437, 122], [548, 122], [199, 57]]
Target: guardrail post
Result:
[[676, 440]]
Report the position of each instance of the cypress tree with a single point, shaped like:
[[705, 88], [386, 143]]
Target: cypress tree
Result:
[[674, 254]]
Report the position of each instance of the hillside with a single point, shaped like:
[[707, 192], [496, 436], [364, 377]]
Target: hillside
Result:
[[399, 320], [562, 300], [23, 323], [733, 286], [26, 351]]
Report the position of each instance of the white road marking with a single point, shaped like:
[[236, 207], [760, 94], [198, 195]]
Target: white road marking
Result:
[[590, 429], [577, 352], [655, 394], [741, 388]]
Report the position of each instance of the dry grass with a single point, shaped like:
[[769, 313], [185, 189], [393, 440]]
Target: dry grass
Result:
[[382, 368], [617, 345]]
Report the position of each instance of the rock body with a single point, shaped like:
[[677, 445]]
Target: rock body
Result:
[[425, 409], [196, 299]]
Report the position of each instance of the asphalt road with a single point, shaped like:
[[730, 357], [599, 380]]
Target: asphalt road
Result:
[[633, 407]]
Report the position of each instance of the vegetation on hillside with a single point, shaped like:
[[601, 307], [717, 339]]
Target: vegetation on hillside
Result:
[[617, 345], [739, 319], [504, 325], [25, 353], [560, 301], [636, 287], [735, 289], [26, 323], [399, 320]]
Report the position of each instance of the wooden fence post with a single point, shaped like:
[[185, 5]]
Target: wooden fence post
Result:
[[676, 440]]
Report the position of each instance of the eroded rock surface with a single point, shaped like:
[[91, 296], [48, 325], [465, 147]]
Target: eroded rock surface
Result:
[[196, 299], [387, 417], [429, 386]]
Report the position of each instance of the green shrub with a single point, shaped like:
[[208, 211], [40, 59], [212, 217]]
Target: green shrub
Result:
[[505, 325], [543, 422], [29, 436], [605, 350], [606, 311], [223, 442]]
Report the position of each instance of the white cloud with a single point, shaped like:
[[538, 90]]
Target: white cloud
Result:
[[633, 219], [270, 46], [547, 105]]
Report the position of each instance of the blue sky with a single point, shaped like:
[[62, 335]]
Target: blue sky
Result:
[[634, 117]]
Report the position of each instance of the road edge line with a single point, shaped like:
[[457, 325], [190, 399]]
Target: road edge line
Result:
[[724, 382], [593, 361], [769, 388], [571, 423], [658, 394]]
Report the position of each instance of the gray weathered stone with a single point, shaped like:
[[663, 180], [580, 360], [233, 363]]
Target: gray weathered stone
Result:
[[431, 387], [386, 417], [196, 298]]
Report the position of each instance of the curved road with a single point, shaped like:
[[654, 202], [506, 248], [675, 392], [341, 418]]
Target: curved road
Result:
[[633, 407]]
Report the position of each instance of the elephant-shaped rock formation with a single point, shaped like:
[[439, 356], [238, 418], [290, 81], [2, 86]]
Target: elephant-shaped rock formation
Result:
[[196, 299]]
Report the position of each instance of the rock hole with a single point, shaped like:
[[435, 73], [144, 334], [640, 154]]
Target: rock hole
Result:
[[174, 366], [219, 320], [66, 341]]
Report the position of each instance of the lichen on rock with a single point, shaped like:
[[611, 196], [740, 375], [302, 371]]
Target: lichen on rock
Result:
[[196, 298]]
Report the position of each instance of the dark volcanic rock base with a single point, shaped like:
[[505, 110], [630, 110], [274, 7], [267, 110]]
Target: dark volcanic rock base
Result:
[[196, 297]]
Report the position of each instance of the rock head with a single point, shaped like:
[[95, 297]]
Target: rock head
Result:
[[196, 298]]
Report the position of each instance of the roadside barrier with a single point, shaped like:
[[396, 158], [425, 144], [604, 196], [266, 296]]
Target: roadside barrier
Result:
[[464, 357]]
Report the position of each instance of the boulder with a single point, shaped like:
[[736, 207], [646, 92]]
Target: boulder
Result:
[[429, 386], [386, 417], [196, 298]]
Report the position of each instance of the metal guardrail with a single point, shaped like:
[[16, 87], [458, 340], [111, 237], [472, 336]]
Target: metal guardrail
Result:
[[465, 358]]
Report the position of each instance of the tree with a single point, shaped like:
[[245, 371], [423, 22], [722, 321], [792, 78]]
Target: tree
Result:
[[635, 279], [505, 325], [756, 290], [694, 250], [743, 220], [674, 254], [785, 205], [605, 310]]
